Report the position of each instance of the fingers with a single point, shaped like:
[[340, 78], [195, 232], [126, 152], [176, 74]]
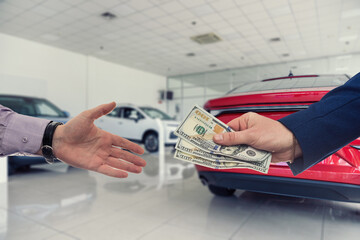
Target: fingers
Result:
[[123, 165], [118, 168], [242, 122], [100, 110], [235, 123], [127, 156], [233, 138], [112, 172], [115, 167], [124, 143]]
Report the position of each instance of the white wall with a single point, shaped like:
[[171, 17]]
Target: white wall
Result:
[[112, 82], [62, 72], [72, 81]]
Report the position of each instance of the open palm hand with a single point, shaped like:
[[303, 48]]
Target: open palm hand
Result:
[[80, 143]]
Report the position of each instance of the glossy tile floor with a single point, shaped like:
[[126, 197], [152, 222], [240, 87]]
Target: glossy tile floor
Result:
[[57, 202]]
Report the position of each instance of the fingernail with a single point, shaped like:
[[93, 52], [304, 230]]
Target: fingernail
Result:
[[218, 137]]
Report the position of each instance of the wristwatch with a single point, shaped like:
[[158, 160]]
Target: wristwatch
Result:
[[46, 148]]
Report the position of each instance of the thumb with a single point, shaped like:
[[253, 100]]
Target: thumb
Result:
[[233, 138], [100, 110]]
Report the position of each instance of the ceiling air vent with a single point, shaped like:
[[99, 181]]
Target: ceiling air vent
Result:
[[206, 38], [275, 39], [108, 15]]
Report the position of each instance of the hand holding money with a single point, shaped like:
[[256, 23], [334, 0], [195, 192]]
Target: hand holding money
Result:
[[195, 145], [265, 133]]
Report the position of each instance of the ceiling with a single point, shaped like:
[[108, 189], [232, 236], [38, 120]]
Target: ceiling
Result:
[[154, 35]]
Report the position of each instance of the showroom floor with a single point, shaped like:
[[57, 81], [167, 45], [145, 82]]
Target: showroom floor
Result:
[[57, 202]]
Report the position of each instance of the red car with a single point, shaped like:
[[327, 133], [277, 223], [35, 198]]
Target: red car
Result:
[[335, 178]]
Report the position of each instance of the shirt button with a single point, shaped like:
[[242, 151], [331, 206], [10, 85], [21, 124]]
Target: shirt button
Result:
[[25, 140]]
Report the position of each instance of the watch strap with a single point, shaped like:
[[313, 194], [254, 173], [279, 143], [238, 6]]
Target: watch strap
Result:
[[49, 133], [47, 149]]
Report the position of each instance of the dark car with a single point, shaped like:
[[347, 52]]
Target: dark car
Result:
[[35, 107], [336, 177]]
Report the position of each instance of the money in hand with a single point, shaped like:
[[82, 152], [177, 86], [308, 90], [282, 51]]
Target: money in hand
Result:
[[218, 165], [196, 145]]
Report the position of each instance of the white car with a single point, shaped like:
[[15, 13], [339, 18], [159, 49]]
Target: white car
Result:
[[138, 124]]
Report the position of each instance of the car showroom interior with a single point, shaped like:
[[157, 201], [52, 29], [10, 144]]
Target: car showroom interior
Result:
[[179, 119]]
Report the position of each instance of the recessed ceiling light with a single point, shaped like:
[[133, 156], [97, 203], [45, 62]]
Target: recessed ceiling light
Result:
[[191, 54], [351, 13], [108, 15], [346, 57], [341, 69], [275, 39], [348, 38], [206, 38]]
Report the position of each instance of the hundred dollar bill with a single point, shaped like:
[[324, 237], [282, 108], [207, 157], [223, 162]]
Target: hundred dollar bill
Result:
[[199, 127], [217, 165], [187, 148]]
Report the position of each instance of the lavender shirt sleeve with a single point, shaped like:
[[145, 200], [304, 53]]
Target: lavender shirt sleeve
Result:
[[20, 133]]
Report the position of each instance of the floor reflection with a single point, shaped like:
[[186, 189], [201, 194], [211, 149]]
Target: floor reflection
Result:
[[53, 200], [174, 169], [60, 202]]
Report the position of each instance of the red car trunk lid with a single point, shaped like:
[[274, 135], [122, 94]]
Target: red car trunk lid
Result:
[[269, 98]]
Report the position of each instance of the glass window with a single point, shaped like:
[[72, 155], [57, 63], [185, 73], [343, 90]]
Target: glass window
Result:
[[19, 104], [16, 104], [46, 109], [193, 92], [155, 113], [115, 113], [130, 113], [174, 83], [28, 109], [176, 93]]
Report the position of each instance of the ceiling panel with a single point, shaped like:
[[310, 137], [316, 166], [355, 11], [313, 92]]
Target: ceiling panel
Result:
[[154, 35]]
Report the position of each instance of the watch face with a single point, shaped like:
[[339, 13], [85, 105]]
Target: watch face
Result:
[[47, 150], [48, 154]]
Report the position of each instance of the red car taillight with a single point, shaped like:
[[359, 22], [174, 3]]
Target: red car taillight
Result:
[[351, 154]]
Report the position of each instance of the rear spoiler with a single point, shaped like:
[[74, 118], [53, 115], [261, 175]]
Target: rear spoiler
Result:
[[284, 108]]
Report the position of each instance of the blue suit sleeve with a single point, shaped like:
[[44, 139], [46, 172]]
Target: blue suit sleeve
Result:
[[326, 126]]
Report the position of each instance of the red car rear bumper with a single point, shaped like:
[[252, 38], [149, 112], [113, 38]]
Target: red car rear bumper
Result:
[[332, 169], [281, 185], [332, 179]]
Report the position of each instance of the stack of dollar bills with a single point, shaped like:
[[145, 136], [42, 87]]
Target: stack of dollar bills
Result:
[[195, 145]]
